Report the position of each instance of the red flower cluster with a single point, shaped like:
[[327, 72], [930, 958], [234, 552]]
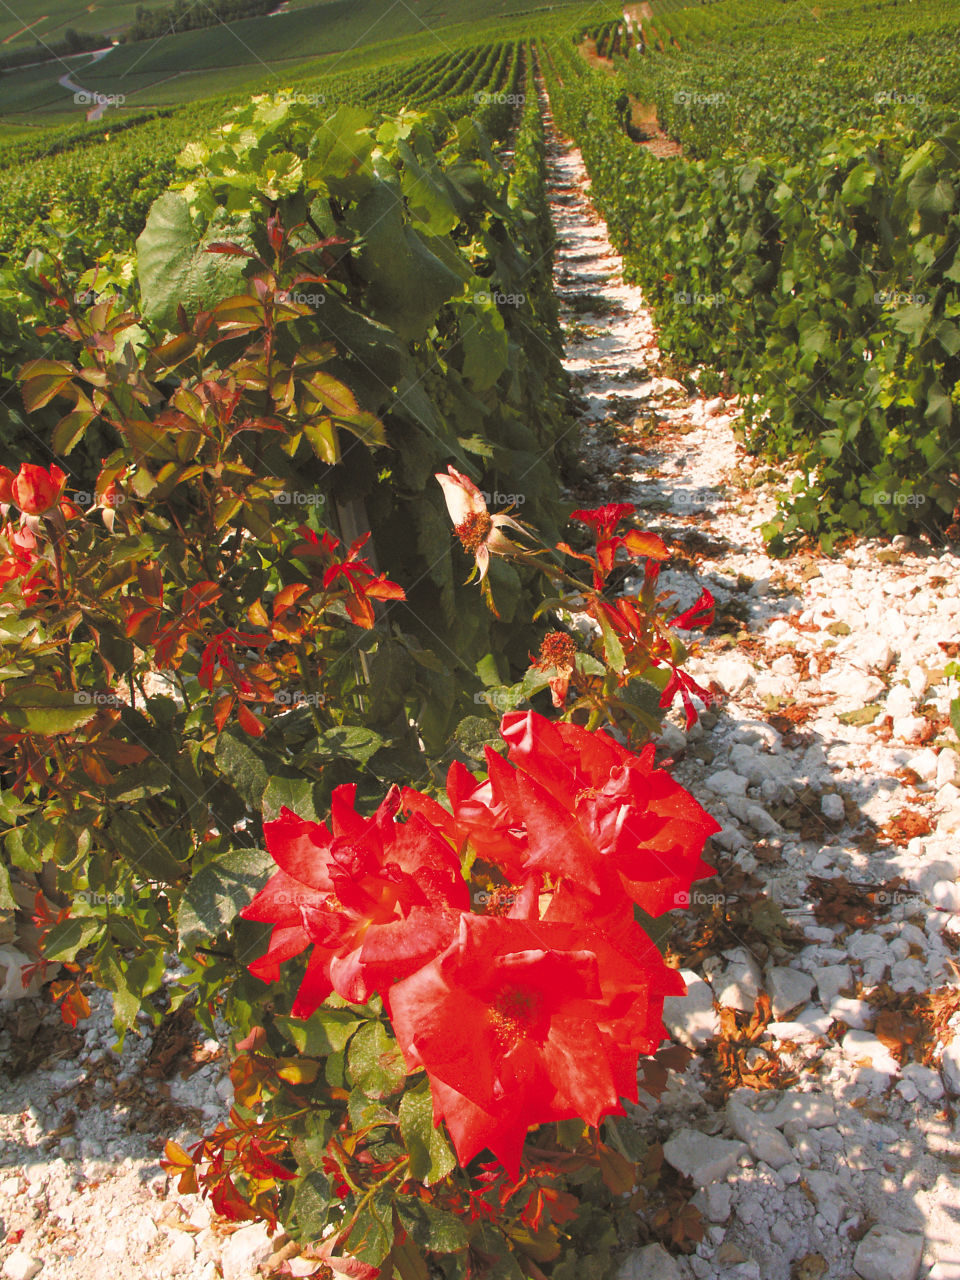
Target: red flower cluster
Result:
[[36, 491], [537, 1009]]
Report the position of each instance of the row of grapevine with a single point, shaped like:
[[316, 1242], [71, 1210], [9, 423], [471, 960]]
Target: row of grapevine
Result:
[[734, 76], [824, 282]]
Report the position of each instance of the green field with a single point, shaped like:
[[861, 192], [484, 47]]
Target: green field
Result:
[[268, 53], [47, 20]]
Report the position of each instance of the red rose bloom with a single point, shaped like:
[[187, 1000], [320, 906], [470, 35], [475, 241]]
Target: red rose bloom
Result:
[[374, 898], [477, 818], [598, 814], [35, 489], [522, 1022]]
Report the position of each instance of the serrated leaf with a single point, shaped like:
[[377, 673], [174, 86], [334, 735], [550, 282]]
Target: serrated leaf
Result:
[[42, 709], [350, 740], [432, 1228], [612, 648], [65, 939], [431, 1157], [295, 794], [311, 1204], [372, 1236], [243, 767], [147, 851], [473, 733], [325, 1032], [218, 893], [173, 264], [375, 1063]]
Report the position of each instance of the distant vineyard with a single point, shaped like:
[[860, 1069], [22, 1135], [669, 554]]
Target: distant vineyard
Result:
[[805, 242]]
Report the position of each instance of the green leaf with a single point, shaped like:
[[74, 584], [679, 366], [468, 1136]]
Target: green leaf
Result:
[[107, 970], [29, 845], [40, 708], [612, 649], [311, 1204], [147, 851], [372, 1237], [243, 767], [862, 715], [485, 344], [326, 1031], [955, 716], [432, 1228], [499, 1264], [350, 740], [473, 733], [7, 901], [173, 265], [219, 891], [295, 794], [431, 1157], [70, 936], [406, 281], [375, 1063]]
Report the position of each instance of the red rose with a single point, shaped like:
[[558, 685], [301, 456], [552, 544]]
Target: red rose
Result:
[[599, 815], [35, 489], [523, 1022], [375, 899]]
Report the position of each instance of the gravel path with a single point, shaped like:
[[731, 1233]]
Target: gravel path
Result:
[[818, 1123], [822, 1136]]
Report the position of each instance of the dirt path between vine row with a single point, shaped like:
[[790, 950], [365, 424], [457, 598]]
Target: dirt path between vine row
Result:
[[822, 1133]]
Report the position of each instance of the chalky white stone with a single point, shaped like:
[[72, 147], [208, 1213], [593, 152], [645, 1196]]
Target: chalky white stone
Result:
[[701, 1157], [789, 989], [885, 1253]]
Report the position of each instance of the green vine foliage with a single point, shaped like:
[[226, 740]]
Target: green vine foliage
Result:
[[824, 282], [444, 326]]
